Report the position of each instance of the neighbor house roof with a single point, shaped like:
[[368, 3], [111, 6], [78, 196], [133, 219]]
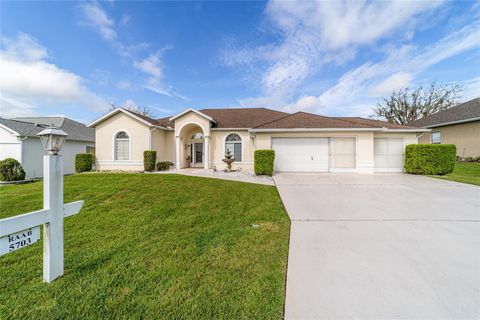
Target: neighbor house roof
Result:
[[464, 112], [30, 126]]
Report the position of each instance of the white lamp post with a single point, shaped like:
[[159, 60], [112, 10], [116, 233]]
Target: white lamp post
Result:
[[52, 140], [23, 230]]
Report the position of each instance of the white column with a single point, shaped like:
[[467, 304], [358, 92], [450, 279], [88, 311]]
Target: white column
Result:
[[53, 231], [206, 145], [178, 152]]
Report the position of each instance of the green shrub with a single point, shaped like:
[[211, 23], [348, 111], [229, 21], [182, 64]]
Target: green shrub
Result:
[[84, 162], [149, 159], [11, 170], [164, 165], [438, 159], [263, 162]]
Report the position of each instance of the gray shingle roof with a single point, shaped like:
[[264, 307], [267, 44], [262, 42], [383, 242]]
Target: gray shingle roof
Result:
[[460, 113], [28, 127]]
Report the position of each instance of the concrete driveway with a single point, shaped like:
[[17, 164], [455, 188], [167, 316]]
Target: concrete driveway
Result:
[[383, 246]]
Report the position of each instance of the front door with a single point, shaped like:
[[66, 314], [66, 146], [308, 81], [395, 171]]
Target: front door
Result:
[[197, 155]]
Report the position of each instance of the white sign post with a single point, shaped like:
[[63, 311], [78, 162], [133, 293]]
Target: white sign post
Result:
[[23, 230]]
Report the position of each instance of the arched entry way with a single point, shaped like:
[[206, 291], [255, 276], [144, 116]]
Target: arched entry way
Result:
[[192, 146]]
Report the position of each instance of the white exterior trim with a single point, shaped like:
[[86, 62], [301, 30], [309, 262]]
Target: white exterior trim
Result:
[[338, 129], [121, 162], [195, 111], [114, 112], [315, 129], [230, 129], [9, 130], [408, 130], [452, 122], [129, 145]]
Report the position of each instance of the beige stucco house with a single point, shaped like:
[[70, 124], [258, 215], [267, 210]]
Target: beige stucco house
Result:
[[459, 125], [303, 142]]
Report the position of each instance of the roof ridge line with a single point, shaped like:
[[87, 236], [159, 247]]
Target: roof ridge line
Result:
[[288, 115]]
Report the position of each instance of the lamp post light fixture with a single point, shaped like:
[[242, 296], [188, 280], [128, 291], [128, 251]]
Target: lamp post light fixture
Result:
[[52, 139]]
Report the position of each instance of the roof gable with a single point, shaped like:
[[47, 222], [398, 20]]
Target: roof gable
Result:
[[139, 117], [76, 131], [201, 114]]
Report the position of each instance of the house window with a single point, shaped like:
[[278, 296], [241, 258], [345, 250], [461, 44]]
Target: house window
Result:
[[197, 136], [90, 150], [233, 142], [436, 138], [122, 146]]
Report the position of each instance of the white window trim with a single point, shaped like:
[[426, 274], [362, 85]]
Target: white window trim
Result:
[[431, 137], [129, 146], [242, 141]]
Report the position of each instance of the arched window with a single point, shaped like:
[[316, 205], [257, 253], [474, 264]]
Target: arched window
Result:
[[197, 136], [233, 142], [122, 146]]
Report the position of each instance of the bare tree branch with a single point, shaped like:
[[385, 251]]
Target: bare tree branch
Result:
[[407, 105]]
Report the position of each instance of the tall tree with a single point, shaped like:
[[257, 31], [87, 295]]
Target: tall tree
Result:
[[407, 105]]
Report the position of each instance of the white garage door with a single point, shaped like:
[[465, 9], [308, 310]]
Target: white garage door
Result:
[[388, 155], [301, 154]]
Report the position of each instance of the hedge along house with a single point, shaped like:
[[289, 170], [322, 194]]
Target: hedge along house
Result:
[[18, 140], [303, 142]]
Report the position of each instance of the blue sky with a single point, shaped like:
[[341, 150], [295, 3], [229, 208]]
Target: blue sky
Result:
[[333, 58]]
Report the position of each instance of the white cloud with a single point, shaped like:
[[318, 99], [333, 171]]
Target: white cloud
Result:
[[125, 19], [129, 104], [395, 82], [153, 67], [359, 86], [125, 85], [29, 80], [317, 33], [97, 19], [471, 89]]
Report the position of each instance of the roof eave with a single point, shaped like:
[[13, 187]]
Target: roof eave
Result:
[[407, 130], [313, 129], [452, 122], [9, 130], [337, 129]]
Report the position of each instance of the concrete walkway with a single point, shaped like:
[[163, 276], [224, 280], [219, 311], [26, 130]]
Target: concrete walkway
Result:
[[242, 176], [384, 246]]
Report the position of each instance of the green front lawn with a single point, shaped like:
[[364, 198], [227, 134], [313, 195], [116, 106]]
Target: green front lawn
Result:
[[153, 247], [467, 172]]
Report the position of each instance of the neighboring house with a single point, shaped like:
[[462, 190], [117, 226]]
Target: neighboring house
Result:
[[18, 140], [303, 142], [459, 125]]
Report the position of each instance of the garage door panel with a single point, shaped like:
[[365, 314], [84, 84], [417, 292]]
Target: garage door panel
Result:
[[301, 154], [343, 153], [389, 154]]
